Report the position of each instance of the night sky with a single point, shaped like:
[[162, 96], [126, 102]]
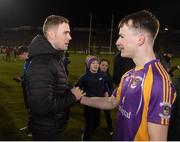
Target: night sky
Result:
[[33, 12]]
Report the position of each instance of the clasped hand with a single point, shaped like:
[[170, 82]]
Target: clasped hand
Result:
[[78, 93]]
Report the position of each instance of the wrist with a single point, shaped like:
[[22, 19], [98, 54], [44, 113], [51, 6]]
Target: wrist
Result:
[[81, 98]]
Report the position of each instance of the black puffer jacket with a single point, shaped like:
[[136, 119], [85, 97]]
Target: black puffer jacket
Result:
[[49, 93]]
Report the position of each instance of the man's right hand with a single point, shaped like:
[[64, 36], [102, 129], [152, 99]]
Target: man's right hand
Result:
[[78, 93]]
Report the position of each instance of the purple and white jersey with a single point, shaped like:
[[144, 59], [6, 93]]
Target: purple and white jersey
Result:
[[145, 94]]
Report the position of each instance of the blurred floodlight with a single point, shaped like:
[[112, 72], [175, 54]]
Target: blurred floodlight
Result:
[[166, 29]]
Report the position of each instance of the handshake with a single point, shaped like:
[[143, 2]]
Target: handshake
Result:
[[78, 93]]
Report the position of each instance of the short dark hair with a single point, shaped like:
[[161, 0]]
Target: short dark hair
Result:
[[22, 49], [106, 60], [53, 20], [142, 19]]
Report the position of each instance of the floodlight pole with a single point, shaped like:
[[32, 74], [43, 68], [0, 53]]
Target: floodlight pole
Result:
[[90, 27], [111, 33]]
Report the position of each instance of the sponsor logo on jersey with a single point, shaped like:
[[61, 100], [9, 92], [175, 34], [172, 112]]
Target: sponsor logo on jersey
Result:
[[125, 113]]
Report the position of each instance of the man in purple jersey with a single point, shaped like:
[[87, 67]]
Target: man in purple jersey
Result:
[[146, 94]]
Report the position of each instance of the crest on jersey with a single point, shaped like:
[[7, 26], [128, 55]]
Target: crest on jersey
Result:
[[166, 107], [135, 81]]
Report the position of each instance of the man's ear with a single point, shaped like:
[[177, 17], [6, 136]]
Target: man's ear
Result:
[[141, 39], [50, 34]]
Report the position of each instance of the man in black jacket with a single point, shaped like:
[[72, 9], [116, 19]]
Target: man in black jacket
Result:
[[49, 93], [120, 67]]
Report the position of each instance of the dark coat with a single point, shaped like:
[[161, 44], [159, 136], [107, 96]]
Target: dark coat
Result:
[[121, 66], [50, 95], [94, 84]]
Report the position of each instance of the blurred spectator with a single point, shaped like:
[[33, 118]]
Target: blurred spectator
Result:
[[8, 54], [22, 52], [104, 67], [66, 61], [174, 130], [15, 52], [166, 61], [121, 66]]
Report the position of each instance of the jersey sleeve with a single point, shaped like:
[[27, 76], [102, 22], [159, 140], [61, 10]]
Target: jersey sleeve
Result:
[[162, 97], [117, 91]]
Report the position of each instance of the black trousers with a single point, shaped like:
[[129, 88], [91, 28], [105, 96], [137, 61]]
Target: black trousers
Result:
[[108, 120], [92, 121], [46, 137]]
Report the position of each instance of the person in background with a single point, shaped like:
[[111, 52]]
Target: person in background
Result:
[[8, 54], [22, 53], [145, 96], [104, 67], [15, 52], [66, 61], [174, 130], [166, 61], [121, 66], [50, 96], [94, 83]]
